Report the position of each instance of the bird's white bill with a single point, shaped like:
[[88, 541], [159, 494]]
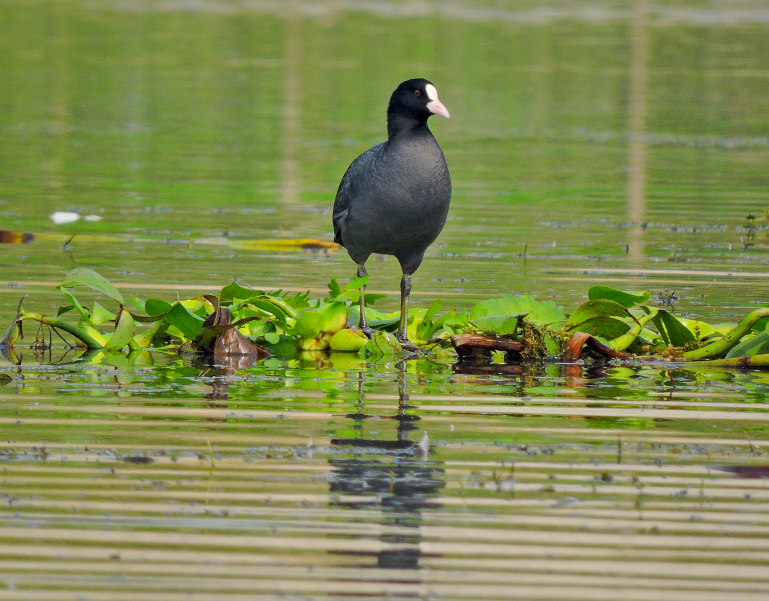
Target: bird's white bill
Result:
[[435, 106]]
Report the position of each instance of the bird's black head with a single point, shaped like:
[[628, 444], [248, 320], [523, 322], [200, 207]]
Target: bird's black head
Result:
[[411, 104]]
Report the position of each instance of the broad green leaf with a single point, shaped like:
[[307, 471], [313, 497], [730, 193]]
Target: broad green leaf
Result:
[[272, 337], [144, 340], [540, 313], [699, 329], [99, 315], [310, 324], [155, 307], [184, 320], [82, 276], [138, 303], [594, 309], [124, 332], [626, 299], [751, 346], [604, 327], [332, 317], [672, 330], [503, 325]]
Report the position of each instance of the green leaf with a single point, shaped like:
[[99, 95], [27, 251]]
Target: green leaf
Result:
[[235, 291], [82, 276], [11, 335], [503, 325], [155, 307], [85, 314], [605, 327], [331, 317], [593, 309], [272, 337], [99, 315], [751, 346], [270, 307], [124, 332], [626, 299], [334, 289], [356, 283], [138, 303], [309, 325], [672, 331], [381, 345], [184, 320], [146, 338], [540, 313], [761, 324], [699, 329], [64, 309]]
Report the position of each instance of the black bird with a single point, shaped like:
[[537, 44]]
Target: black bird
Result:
[[394, 198]]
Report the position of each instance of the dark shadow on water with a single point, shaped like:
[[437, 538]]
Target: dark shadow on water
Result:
[[393, 476]]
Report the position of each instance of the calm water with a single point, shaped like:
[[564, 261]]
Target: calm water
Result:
[[618, 142]]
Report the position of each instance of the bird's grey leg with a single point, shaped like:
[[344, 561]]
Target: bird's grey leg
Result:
[[402, 335], [362, 273], [362, 325]]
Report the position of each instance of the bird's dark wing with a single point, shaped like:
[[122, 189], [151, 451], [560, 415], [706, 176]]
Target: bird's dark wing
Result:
[[347, 192]]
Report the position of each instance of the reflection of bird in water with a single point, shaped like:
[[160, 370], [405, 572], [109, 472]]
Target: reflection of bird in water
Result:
[[394, 198], [395, 475]]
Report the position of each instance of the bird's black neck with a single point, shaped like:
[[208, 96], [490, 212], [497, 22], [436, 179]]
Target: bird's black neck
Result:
[[398, 125]]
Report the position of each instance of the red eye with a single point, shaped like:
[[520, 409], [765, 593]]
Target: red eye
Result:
[[417, 93]]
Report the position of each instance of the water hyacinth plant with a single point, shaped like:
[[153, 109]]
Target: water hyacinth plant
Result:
[[245, 321]]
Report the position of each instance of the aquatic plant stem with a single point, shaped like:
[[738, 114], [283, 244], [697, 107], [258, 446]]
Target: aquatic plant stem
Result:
[[78, 332], [621, 343], [722, 345], [754, 361]]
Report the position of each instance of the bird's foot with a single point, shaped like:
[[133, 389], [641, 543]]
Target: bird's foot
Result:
[[370, 332], [407, 345]]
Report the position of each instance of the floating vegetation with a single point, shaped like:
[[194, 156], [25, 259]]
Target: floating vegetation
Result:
[[247, 322]]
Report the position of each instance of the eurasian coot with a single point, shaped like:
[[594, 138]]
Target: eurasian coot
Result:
[[394, 198]]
